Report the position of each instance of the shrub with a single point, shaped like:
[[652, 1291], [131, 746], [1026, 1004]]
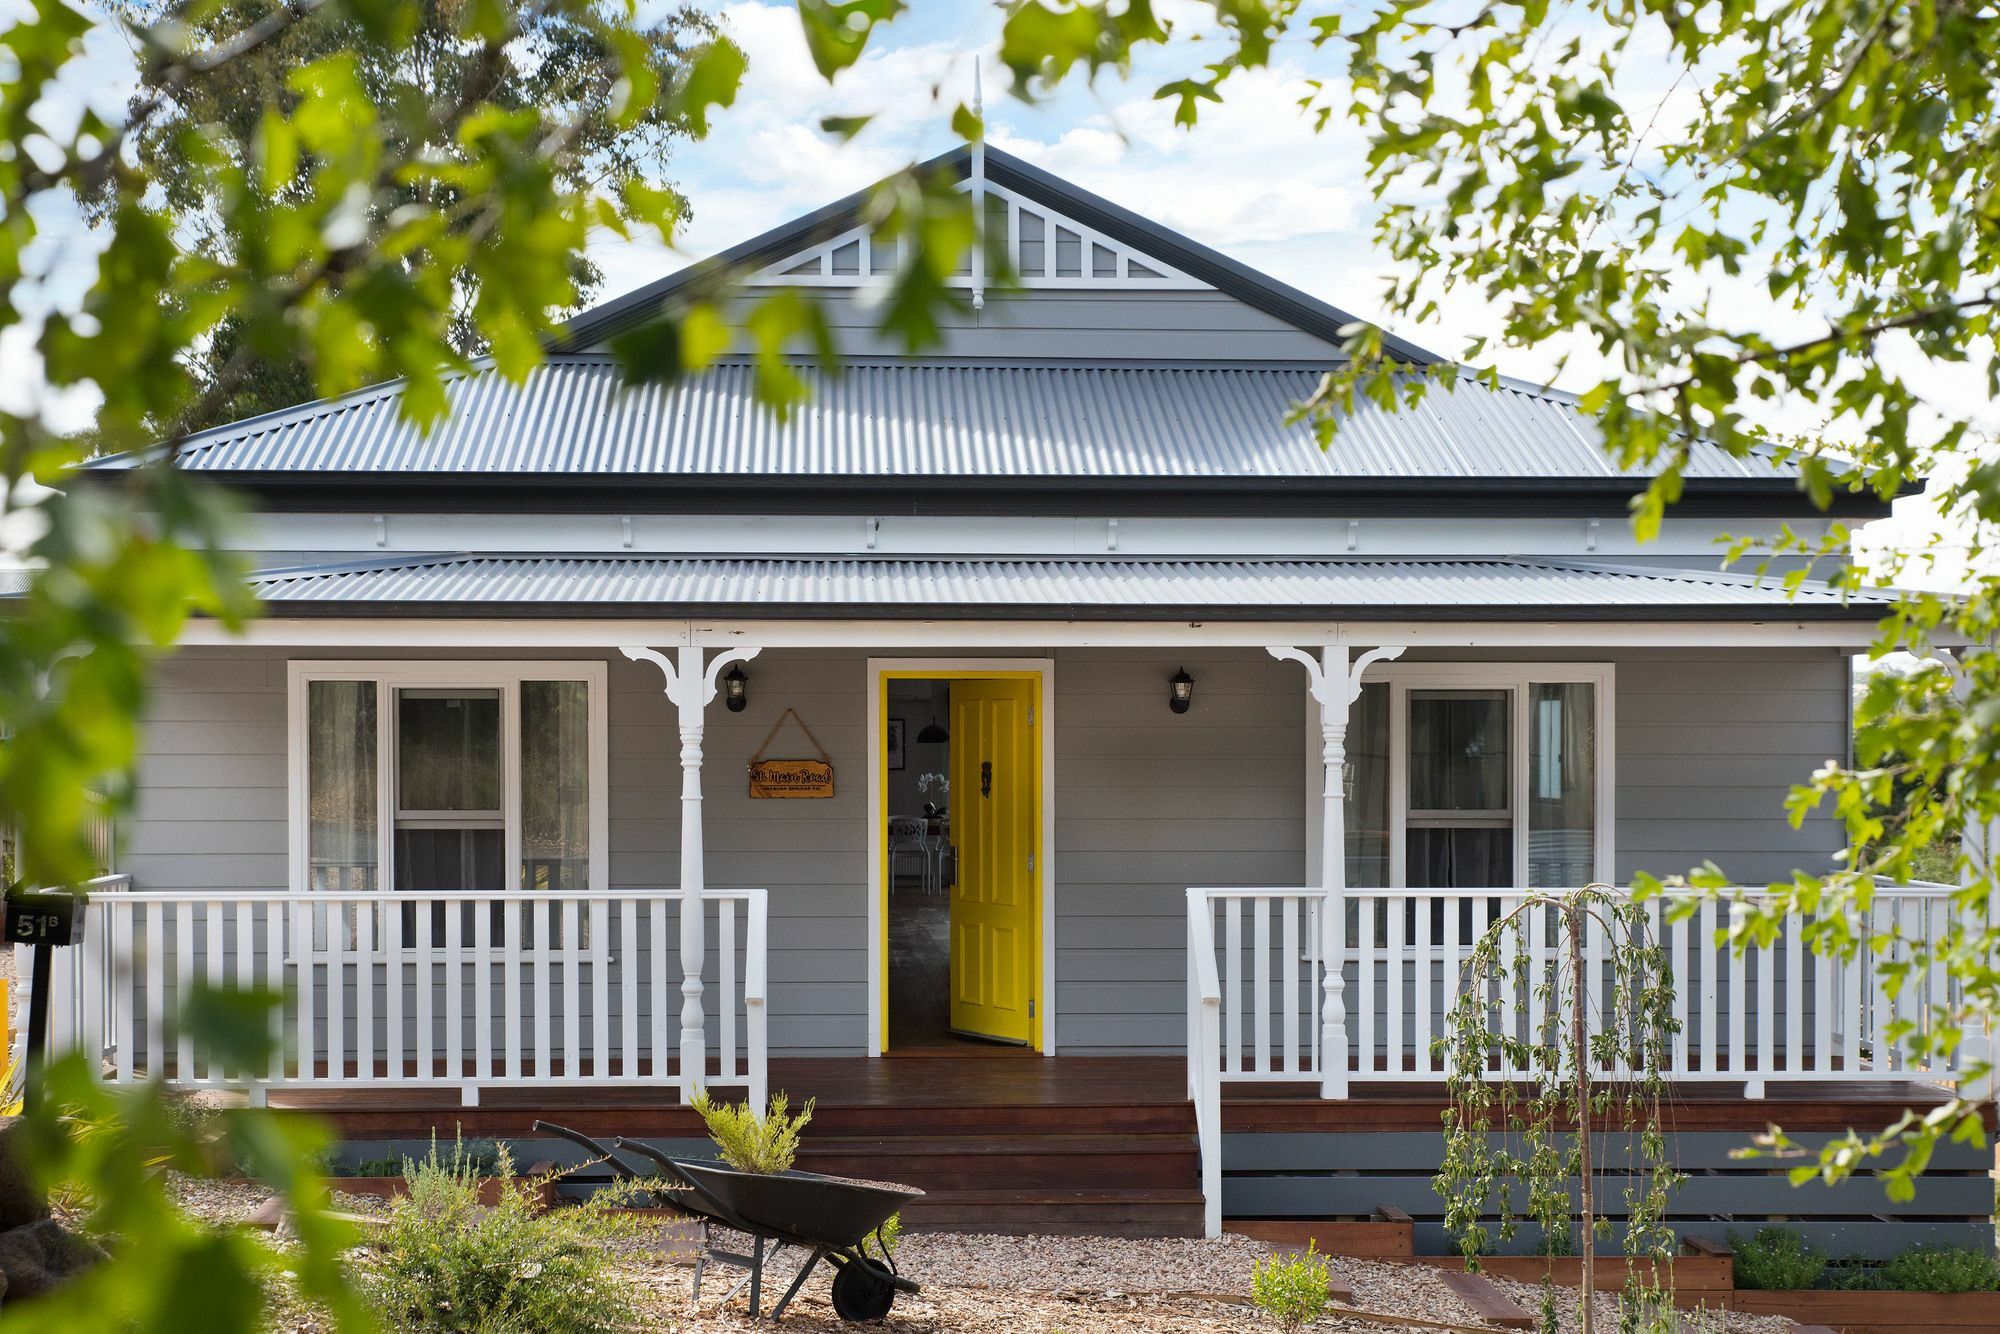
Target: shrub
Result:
[[1942, 1269], [748, 1144], [1854, 1273], [1776, 1261], [482, 1157], [447, 1264], [1291, 1289]]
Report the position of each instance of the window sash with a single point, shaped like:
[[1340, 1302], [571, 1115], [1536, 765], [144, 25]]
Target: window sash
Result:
[[431, 678], [1519, 678]]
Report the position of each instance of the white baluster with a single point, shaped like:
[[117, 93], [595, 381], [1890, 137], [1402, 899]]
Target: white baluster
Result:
[[1289, 938], [512, 909], [657, 988], [454, 990], [395, 1046], [1232, 985], [184, 1068], [725, 965], [628, 987], [425, 982], [482, 996], [572, 993], [364, 989], [600, 990]]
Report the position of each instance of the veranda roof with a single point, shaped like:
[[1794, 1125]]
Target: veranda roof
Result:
[[1091, 589]]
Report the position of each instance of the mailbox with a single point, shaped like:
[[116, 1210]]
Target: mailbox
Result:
[[44, 917]]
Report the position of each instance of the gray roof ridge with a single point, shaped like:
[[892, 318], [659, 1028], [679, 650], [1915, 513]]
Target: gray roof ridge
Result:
[[1275, 297]]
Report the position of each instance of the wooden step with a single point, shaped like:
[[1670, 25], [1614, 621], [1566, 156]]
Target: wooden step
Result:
[[1008, 1161], [1109, 1213], [358, 1119], [1487, 1300]]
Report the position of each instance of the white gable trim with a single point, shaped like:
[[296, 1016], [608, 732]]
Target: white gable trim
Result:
[[1045, 249]]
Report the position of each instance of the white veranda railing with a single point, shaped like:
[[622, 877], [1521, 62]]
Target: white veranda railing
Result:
[[1256, 992], [1773, 1012], [463, 990]]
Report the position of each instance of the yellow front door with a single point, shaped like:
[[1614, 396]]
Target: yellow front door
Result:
[[995, 794]]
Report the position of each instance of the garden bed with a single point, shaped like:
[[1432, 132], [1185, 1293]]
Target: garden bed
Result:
[[1697, 1280], [1879, 1312]]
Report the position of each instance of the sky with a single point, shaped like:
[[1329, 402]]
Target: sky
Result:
[[1253, 180]]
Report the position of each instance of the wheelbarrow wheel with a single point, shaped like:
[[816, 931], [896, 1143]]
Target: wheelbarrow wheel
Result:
[[860, 1292]]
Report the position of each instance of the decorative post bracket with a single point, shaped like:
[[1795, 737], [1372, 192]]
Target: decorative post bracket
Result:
[[690, 687], [1335, 684]]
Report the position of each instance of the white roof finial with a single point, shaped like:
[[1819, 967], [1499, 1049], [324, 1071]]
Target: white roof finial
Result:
[[978, 192]]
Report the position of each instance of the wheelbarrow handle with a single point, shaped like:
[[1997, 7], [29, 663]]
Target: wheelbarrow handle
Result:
[[601, 1150]]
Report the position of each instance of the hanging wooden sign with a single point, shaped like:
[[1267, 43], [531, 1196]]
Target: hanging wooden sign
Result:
[[791, 778]]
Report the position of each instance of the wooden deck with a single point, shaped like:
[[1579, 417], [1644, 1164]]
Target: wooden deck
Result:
[[1028, 1092], [1012, 1142]]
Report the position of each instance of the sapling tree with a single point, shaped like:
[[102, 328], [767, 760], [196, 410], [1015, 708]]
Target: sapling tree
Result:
[[1561, 1027]]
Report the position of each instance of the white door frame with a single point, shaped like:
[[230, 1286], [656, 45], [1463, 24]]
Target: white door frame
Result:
[[878, 821]]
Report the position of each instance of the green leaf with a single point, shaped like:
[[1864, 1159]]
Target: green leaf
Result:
[[714, 78]]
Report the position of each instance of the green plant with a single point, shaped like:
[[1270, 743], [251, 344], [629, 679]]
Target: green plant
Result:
[[1525, 1150], [1776, 1260], [890, 1235], [1854, 1273], [1942, 1269], [448, 1263], [750, 1143], [1292, 1289], [481, 1157]]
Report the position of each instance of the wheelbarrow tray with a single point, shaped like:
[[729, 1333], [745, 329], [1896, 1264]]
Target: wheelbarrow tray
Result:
[[823, 1211]]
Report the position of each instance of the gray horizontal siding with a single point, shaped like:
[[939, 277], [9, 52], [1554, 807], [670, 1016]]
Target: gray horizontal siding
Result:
[[1147, 802], [1055, 325], [1210, 797]]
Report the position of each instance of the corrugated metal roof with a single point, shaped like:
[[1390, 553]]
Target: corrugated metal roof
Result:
[[1125, 588], [575, 415]]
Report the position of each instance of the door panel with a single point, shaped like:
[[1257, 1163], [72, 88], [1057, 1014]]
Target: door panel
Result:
[[995, 787]]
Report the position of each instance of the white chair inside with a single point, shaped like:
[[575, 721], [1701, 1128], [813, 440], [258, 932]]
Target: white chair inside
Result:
[[909, 836]]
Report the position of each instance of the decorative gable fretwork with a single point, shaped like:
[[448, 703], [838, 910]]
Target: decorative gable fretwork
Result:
[[1045, 249]]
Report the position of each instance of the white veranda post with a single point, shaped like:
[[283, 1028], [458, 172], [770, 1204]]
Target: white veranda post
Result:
[[690, 688], [1334, 684]]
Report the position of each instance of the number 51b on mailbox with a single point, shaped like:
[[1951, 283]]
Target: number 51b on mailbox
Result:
[[44, 919]]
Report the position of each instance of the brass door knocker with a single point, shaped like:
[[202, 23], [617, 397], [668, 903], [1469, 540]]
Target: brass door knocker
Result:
[[986, 778]]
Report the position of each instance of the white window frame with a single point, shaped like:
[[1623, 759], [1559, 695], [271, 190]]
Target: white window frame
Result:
[[395, 674], [1403, 677]]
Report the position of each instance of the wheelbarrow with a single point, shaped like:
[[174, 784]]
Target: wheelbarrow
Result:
[[827, 1217]]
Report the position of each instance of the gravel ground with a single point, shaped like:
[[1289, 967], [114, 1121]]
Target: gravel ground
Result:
[[1529, 1297], [1033, 1285]]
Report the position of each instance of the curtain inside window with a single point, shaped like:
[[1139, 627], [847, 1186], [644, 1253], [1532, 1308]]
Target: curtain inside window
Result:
[[1562, 784], [342, 852], [1367, 814], [555, 786]]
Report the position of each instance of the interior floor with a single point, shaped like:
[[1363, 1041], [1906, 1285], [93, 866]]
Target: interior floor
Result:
[[920, 978]]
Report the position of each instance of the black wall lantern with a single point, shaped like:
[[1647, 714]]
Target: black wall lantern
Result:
[[1180, 691], [736, 689]]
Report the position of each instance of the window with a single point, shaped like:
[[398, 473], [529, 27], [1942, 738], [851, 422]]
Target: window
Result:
[[1476, 775], [443, 777]]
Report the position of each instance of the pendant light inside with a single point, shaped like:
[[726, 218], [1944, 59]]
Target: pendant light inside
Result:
[[933, 733]]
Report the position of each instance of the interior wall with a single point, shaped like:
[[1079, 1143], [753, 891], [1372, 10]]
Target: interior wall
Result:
[[916, 703]]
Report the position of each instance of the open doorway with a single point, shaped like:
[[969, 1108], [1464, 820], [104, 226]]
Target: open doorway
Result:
[[961, 785]]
